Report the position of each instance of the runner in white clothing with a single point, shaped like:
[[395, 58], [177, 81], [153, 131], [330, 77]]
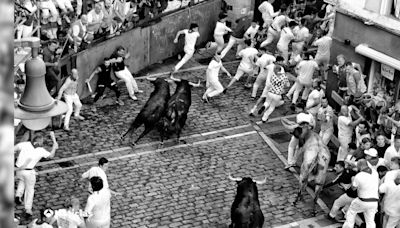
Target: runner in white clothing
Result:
[[284, 40], [267, 10], [323, 53], [220, 30], [252, 31], [29, 155], [305, 71], [269, 70], [302, 35], [214, 86], [191, 36], [262, 62], [315, 98], [276, 27], [249, 55]]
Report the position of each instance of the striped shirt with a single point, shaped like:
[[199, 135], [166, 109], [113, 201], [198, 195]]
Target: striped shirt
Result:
[[278, 83]]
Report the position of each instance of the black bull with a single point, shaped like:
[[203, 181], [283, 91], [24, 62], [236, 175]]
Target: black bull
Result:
[[153, 110], [177, 109], [245, 210]]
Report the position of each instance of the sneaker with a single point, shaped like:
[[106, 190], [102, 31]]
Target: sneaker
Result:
[[18, 200], [66, 129], [29, 213], [224, 92], [248, 85], [120, 102], [79, 117], [205, 99], [134, 98], [288, 167], [139, 91]]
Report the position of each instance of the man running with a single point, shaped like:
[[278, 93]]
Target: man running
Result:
[[105, 80], [262, 62], [284, 40], [276, 27], [267, 10], [214, 86], [246, 66], [191, 36]]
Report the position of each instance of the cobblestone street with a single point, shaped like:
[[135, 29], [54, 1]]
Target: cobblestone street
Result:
[[178, 185]]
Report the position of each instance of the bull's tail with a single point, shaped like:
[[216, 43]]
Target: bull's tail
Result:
[[136, 124]]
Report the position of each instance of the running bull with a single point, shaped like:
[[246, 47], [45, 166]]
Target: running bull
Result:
[[245, 210], [177, 109], [153, 110]]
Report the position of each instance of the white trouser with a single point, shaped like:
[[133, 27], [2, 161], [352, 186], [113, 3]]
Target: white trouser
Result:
[[24, 31], [267, 20], [343, 148], [219, 40], [293, 145], [367, 208], [185, 59], [126, 76], [241, 71], [260, 80], [326, 135], [271, 36], [298, 87], [284, 51], [26, 187], [391, 221], [214, 88], [232, 41], [70, 100], [270, 104], [97, 223], [343, 201]]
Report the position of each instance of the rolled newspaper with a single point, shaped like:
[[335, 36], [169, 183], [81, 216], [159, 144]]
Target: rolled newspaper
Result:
[[53, 136], [89, 87]]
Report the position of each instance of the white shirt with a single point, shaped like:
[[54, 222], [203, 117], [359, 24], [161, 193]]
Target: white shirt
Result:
[[367, 184], [314, 98], [344, 128], [213, 70], [93, 17], [279, 22], [381, 162], [391, 175], [221, 29], [98, 206], [190, 40], [76, 29], [270, 71], [28, 152], [251, 32], [264, 61], [96, 172], [391, 205], [324, 46], [286, 37], [301, 34], [390, 153], [67, 219], [248, 55], [267, 10], [305, 71]]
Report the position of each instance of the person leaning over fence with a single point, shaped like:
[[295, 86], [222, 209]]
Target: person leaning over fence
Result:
[[122, 72]]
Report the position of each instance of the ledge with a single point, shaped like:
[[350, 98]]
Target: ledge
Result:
[[388, 23]]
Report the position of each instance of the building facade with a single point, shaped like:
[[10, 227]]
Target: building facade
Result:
[[368, 32]]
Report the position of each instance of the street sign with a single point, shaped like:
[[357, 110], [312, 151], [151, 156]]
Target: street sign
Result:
[[387, 71]]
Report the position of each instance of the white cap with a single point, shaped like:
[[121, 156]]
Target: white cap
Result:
[[303, 118], [371, 152]]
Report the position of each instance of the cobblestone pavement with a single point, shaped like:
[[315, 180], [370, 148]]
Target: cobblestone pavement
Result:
[[183, 185]]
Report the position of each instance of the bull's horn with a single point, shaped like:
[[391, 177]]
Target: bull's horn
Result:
[[233, 179], [261, 182], [290, 125], [175, 79], [151, 79], [195, 85]]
